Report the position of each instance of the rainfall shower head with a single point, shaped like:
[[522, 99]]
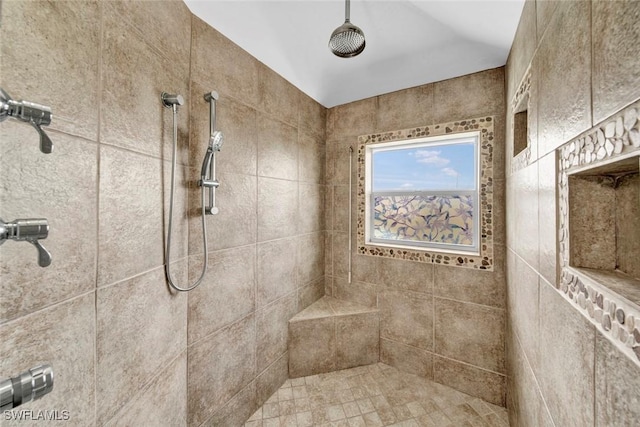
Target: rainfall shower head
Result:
[[216, 141], [347, 40]]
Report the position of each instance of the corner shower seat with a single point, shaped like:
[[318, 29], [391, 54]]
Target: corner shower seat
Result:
[[333, 334]]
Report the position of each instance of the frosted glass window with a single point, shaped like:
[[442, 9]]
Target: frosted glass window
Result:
[[424, 193]]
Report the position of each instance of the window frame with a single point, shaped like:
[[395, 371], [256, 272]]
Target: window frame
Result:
[[472, 137], [490, 142]]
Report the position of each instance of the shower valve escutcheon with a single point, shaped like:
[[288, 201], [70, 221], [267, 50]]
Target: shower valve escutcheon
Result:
[[31, 230], [35, 114]]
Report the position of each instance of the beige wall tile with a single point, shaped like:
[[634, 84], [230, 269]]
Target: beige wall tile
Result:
[[353, 119], [270, 380], [310, 257], [277, 149], [277, 273], [218, 63], [162, 402], [236, 121], [547, 217], [405, 109], [522, 49], [311, 199], [477, 382], [310, 293], [130, 187], [617, 381], [311, 158], [60, 35], [406, 317], [312, 117], [312, 347], [232, 350], [29, 181], [235, 224], [627, 230], [470, 333], [272, 327], [616, 80], [592, 222], [470, 96], [358, 292], [544, 13], [525, 393], [150, 19], [277, 97], [567, 381], [237, 410], [523, 307], [564, 104], [357, 340], [64, 337], [340, 208], [525, 214], [364, 268], [406, 275], [227, 292], [498, 209], [134, 75], [277, 208], [465, 284], [337, 165], [328, 253], [180, 222], [128, 357], [406, 358]]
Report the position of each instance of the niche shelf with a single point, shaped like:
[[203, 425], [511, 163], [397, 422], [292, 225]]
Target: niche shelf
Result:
[[599, 226]]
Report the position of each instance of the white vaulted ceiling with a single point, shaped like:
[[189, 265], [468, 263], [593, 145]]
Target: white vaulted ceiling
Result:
[[409, 43]]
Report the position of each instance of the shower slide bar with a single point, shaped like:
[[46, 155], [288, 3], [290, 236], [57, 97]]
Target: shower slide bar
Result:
[[208, 173], [207, 181]]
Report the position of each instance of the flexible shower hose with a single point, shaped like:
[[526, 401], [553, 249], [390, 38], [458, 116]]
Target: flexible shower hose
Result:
[[167, 266]]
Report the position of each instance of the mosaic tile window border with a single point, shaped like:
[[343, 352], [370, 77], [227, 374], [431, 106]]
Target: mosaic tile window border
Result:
[[484, 261], [523, 158], [616, 138]]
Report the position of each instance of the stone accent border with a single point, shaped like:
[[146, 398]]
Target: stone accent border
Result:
[[616, 138], [485, 260]]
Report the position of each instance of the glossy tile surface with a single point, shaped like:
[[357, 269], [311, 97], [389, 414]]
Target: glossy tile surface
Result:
[[373, 395]]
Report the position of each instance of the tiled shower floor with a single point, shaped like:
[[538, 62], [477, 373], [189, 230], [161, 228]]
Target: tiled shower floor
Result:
[[374, 395]]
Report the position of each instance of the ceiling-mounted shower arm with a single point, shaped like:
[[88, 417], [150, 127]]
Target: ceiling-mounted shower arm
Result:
[[35, 114]]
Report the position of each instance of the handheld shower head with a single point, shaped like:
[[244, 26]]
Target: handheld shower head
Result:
[[216, 140]]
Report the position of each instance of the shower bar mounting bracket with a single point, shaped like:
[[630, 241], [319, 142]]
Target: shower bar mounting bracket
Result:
[[35, 114]]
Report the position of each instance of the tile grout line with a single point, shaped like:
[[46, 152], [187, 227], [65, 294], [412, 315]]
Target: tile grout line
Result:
[[97, 216]]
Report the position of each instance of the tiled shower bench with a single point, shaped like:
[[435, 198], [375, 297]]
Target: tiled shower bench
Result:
[[332, 334]]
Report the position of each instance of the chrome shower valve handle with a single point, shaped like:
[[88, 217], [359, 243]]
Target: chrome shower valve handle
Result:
[[35, 114], [29, 230]]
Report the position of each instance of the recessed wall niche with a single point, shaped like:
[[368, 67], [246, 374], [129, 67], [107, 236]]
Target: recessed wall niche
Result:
[[520, 126], [599, 226], [521, 149], [604, 218]]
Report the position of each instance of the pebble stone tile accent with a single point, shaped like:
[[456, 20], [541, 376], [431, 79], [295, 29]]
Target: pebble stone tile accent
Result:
[[523, 159], [617, 137], [485, 260], [374, 395]]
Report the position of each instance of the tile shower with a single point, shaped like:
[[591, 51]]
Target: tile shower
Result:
[[126, 351]]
